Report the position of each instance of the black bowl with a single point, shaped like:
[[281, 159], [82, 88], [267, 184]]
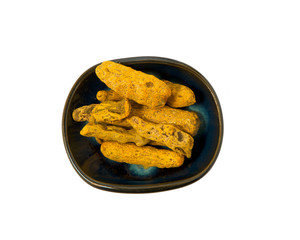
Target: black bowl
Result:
[[100, 172]]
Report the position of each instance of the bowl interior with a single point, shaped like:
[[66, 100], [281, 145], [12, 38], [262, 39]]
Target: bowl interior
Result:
[[101, 172]]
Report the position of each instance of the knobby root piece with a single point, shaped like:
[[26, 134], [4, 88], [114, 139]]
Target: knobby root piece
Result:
[[110, 111], [167, 134], [147, 156], [113, 133], [83, 113], [181, 96], [135, 111], [122, 123], [186, 121], [143, 88], [109, 95]]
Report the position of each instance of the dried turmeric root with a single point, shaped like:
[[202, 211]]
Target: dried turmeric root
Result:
[[143, 88], [110, 111], [146, 155], [186, 121], [167, 134], [181, 96], [109, 95], [113, 133], [83, 113]]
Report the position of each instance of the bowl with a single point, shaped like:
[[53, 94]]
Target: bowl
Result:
[[85, 155]]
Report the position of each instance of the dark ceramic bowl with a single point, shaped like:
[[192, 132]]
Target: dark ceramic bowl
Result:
[[100, 172]]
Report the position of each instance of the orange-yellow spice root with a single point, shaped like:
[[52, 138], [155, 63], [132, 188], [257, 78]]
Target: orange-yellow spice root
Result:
[[83, 113], [186, 121], [166, 134], [109, 95], [147, 156], [143, 88], [113, 133], [110, 111], [181, 96]]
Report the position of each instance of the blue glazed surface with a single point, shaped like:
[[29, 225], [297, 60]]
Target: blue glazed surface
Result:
[[93, 167]]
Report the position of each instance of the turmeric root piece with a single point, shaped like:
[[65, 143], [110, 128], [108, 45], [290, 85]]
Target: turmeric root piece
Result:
[[167, 134], [186, 121], [135, 111], [83, 113], [121, 123], [181, 96], [110, 111], [147, 156], [109, 95], [143, 88], [113, 133]]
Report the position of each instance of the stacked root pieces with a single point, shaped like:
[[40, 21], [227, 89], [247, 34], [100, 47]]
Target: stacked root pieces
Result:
[[133, 115]]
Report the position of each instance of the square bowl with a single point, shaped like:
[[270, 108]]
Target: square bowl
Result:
[[85, 155]]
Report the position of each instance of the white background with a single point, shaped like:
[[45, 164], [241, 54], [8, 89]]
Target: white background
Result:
[[248, 50]]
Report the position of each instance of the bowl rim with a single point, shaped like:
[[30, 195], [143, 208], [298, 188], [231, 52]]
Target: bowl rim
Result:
[[145, 188]]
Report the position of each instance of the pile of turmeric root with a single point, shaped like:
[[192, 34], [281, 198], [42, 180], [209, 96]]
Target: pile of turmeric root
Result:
[[137, 114]]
